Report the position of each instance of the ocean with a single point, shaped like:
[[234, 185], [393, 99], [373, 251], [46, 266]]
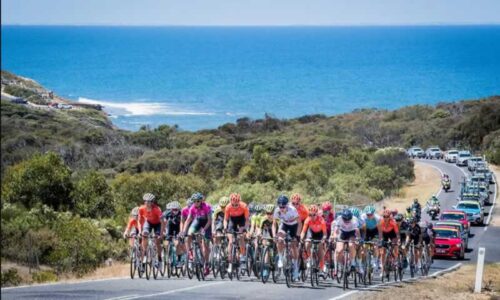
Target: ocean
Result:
[[203, 77]]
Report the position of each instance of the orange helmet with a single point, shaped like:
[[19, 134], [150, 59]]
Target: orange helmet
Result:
[[296, 198], [235, 198], [313, 209], [387, 213]]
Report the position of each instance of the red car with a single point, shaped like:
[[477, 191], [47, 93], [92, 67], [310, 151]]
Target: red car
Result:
[[449, 242], [456, 215]]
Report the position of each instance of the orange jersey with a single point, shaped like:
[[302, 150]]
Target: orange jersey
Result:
[[153, 216], [132, 223], [316, 225], [240, 210], [303, 212], [388, 226]]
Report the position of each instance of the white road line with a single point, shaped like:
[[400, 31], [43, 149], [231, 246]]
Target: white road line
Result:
[[62, 283], [122, 297], [170, 292], [368, 288], [494, 201]]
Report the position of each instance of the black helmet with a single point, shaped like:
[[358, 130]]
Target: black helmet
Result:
[[282, 200], [347, 214]]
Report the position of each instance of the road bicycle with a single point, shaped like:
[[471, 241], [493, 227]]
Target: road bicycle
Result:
[[135, 259]]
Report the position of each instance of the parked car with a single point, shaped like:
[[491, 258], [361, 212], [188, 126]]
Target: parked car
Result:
[[462, 158], [433, 153], [449, 242], [416, 152], [18, 100], [451, 156], [473, 209], [458, 226], [479, 179], [473, 162], [456, 215]]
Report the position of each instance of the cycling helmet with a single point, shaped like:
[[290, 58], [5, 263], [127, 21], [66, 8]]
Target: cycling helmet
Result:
[[148, 197], [408, 209], [415, 200], [235, 198], [412, 220], [175, 205], [223, 201], [346, 215], [197, 197], [296, 198], [269, 208], [355, 211], [326, 206], [369, 209], [251, 207], [189, 202], [387, 213], [313, 209], [394, 212], [399, 217], [135, 212], [282, 200], [258, 208]]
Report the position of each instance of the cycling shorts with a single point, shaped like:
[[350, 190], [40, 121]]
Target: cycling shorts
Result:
[[172, 230], [146, 229], [235, 223], [426, 239], [389, 235], [347, 235], [371, 234], [311, 235], [290, 229], [197, 225]]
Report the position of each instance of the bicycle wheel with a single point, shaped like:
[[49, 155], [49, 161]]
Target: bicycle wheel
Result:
[[156, 265], [257, 265], [214, 260], [133, 265], [412, 263], [265, 266], [200, 272], [312, 270], [249, 263], [138, 263], [149, 263], [369, 269]]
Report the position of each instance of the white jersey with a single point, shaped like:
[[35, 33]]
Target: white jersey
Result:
[[288, 217], [345, 226]]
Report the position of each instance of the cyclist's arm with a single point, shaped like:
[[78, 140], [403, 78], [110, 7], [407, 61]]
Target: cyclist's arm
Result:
[[186, 224], [247, 218], [274, 227], [209, 222], [304, 229], [323, 228], [213, 220], [163, 226], [226, 217]]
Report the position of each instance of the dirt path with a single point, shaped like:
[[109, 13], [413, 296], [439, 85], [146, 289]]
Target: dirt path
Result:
[[427, 182]]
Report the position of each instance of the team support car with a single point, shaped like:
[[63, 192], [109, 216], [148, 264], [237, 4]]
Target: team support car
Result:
[[473, 162], [483, 169], [458, 226], [433, 153], [462, 158], [451, 156], [416, 152], [473, 209], [456, 215], [448, 242]]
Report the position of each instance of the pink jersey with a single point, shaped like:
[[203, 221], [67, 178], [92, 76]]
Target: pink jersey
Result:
[[200, 212], [185, 213]]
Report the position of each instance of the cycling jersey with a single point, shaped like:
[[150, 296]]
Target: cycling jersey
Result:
[[256, 219], [265, 226], [173, 222], [344, 226], [185, 213], [404, 227], [414, 233], [152, 216], [328, 220], [371, 223], [288, 217], [389, 226], [303, 212], [315, 225], [201, 212], [133, 224], [240, 210]]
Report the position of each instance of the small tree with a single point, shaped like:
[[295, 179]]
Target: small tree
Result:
[[92, 196]]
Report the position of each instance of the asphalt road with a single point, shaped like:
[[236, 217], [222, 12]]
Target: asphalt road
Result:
[[126, 288]]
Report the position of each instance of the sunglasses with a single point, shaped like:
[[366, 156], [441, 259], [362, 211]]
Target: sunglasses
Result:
[[295, 204], [369, 215], [387, 217], [282, 207], [269, 213], [312, 215]]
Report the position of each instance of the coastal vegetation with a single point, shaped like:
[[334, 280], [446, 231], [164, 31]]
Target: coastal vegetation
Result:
[[70, 178]]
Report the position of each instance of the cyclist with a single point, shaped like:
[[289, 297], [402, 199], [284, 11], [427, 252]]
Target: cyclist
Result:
[[346, 228], [289, 222], [371, 228], [301, 209], [236, 219], [428, 237], [255, 221], [390, 232], [408, 213], [171, 227], [264, 228], [132, 226], [150, 219], [314, 229], [328, 216], [414, 236], [417, 208], [404, 227], [218, 219], [199, 220]]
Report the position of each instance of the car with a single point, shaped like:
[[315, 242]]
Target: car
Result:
[[462, 158], [448, 242], [478, 179], [459, 226], [433, 153], [473, 209], [456, 215], [416, 152], [483, 169], [473, 162], [451, 156]]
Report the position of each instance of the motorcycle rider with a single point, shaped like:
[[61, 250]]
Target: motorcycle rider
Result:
[[446, 182], [417, 208], [433, 205]]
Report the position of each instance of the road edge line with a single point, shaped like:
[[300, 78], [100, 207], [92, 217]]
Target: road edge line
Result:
[[62, 283], [494, 202]]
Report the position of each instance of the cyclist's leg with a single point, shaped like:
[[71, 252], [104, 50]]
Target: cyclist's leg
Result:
[[157, 229], [145, 233]]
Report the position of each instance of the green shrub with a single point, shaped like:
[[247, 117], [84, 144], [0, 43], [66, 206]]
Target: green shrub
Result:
[[92, 196], [10, 278], [44, 276]]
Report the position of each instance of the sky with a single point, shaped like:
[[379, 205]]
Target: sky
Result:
[[249, 12]]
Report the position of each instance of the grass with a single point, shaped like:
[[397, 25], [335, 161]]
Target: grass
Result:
[[456, 285]]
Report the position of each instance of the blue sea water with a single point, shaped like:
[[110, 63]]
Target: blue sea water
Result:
[[203, 77]]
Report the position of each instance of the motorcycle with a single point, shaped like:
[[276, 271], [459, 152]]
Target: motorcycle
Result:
[[446, 185], [433, 212]]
